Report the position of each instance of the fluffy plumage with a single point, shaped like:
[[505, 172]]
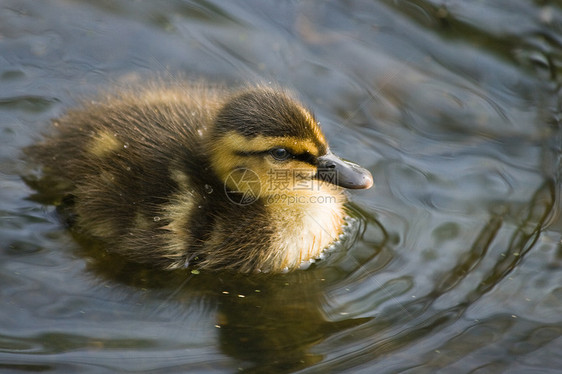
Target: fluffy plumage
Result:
[[221, 179]]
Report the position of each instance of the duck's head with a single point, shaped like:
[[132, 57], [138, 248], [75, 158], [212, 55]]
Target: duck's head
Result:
[[265, 136]]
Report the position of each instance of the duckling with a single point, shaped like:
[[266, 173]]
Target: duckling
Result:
[[192, 174]]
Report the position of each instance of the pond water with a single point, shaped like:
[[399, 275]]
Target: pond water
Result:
[[454, 263]]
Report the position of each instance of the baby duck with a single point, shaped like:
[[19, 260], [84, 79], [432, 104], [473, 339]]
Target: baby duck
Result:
[[196, 175]]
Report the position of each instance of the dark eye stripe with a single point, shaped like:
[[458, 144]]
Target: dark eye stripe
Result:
[[306, 157]]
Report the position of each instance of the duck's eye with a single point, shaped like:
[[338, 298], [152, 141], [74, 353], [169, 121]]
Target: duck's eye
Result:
[[280, 154]]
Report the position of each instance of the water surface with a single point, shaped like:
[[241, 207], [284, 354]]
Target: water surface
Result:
[[454, 262]]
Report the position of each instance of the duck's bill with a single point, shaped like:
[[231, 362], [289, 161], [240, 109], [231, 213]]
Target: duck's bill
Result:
[[345, 174]]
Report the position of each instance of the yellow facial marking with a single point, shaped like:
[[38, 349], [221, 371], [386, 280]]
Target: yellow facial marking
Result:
[[313, 125], [260, 143], [104, 143], [225, 157], [224, 160]]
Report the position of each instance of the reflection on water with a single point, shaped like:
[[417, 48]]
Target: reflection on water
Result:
[[455, 259]]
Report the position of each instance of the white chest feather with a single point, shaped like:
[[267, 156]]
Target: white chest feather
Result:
[[305, 230]]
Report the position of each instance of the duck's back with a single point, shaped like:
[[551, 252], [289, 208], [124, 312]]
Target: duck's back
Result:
[[135, 163]]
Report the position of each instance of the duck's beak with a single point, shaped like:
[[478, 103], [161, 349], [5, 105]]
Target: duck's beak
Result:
[[345, 174]]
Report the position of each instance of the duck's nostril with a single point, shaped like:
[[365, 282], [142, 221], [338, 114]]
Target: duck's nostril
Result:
[[343, 173], [326, 163]]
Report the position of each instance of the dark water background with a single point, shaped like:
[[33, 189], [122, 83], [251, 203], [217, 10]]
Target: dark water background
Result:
[[454, 106]]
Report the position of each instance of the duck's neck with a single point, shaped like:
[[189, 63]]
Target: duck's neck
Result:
[[306, 222]]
